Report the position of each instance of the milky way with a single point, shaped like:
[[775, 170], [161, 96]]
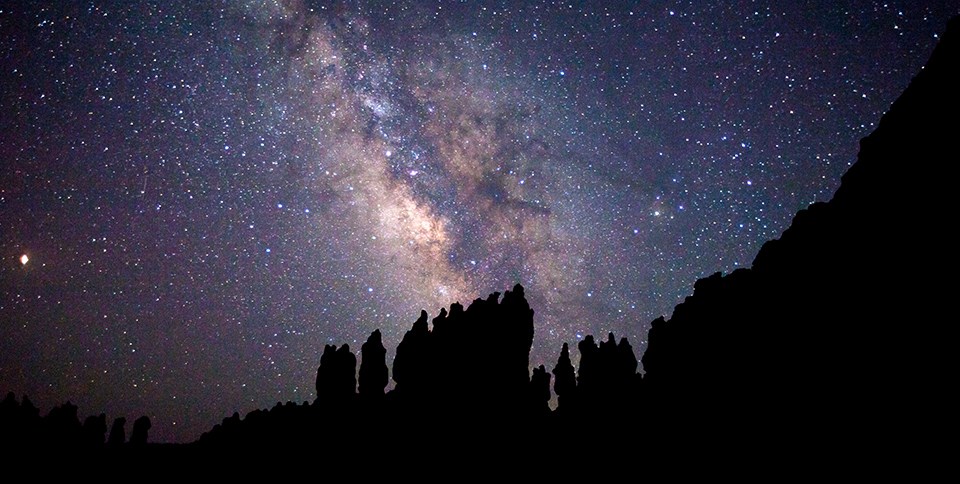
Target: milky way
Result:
[[194, 199]]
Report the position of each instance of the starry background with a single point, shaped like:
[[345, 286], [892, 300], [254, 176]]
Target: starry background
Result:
[[209, 192]]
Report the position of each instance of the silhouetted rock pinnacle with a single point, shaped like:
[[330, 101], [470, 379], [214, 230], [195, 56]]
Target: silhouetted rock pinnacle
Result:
[[140, 428], [565, 381], [118, 435], [373, 367]]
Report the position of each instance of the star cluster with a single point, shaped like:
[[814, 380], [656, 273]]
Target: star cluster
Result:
[[195, 197]]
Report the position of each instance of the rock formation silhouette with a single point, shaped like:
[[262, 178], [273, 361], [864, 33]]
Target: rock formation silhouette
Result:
[[337, 376], [22, 429], [565, 382], [838, 323], [791, 346], [140, 428], [95, 430], [118, 435], [373, 368]]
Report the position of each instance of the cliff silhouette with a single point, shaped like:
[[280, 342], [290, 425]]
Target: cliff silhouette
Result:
[[839, 327], [837, 334]]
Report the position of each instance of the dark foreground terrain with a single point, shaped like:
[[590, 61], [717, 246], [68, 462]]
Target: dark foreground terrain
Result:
[[835, 347]]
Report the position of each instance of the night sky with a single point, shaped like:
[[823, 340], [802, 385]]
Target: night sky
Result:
[[195, 197]]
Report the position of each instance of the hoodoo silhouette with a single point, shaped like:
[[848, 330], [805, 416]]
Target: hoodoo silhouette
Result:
[[23, 429]]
